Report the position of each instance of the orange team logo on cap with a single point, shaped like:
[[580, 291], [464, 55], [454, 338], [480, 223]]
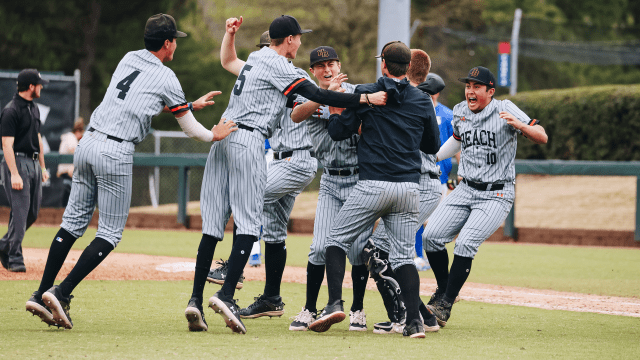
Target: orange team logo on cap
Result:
[[323, 53], [474, 72]]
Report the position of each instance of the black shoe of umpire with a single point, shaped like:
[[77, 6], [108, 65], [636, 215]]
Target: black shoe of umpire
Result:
[[333, 313], [263, 306], [219, 274], [195, 315], [36, 306], [228, 309], [414, 329], [59, 306], [4, 259], [442, 310]]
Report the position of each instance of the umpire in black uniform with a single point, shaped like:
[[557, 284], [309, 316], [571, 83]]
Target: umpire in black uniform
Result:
[[23, 170]]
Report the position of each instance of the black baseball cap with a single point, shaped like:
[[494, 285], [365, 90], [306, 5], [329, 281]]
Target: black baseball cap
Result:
[[30, 76], [396, 52], [433, 85], [482, 75], [162, 26], [322, 53], [284, 26], [265, 40]]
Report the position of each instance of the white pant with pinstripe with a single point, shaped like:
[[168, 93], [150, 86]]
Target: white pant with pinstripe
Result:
[[472, 213], [395, 203], [286, 178], [234, 181], [103, 173]]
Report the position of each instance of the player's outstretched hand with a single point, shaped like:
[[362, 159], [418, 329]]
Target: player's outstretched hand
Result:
[[223, 129], [233, 24], [379, 98], [511, 120], [205, 100], [336, 82]]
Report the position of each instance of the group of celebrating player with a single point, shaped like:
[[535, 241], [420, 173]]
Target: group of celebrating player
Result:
[[378, 145]]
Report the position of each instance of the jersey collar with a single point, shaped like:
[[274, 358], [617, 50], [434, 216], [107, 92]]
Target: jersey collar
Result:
[[147, 55]]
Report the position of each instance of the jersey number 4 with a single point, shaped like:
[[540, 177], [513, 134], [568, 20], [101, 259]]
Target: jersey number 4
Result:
[[124, 85], [237, 90]]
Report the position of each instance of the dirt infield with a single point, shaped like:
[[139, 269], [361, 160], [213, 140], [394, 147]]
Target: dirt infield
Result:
[[120, 266]]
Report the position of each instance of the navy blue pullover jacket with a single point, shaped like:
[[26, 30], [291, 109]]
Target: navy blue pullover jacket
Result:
[[392, 135]]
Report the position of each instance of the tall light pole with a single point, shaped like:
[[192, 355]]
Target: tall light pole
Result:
[[394, 23]]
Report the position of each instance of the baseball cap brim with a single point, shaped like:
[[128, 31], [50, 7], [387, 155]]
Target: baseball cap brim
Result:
[[43, 81], [180, 34], [466, 79], [305, 31], [324, 59]]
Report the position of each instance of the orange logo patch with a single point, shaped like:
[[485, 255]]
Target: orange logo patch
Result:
[[323, 53], [500, 195], [474, 72], [463, 119]]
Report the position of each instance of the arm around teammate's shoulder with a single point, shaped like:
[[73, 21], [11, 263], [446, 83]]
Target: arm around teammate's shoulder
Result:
[[342, 126]]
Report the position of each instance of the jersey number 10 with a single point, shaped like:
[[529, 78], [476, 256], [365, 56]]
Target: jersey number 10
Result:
[[491, 158]]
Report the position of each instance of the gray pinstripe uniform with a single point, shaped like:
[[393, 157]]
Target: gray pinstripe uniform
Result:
[[488, 156], [288, 176], [334, 189], [235, 174], [139, 89]]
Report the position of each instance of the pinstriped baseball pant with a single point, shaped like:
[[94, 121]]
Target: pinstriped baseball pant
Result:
[[334, 192], [471, 214], [395, 203], [430, 196], [234, 181], [103, 173], [286, 178]]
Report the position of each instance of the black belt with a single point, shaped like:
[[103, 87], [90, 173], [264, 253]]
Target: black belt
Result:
[[33, 156], [286, 154], [341, 172], [245, 127], [483, 186], [116, 139], [434, 176]]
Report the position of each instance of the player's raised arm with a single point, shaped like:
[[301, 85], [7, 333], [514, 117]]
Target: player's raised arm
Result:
[[228, 55], [532, 131]]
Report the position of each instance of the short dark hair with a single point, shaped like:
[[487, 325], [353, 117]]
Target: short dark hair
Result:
[[277, 42], [23, 87], [396, 69], [156, 44], [420, 66]]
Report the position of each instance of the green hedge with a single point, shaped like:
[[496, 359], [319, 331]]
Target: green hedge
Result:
[[587, 123]]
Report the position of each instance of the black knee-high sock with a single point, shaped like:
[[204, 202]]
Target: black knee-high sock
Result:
[[206, 249], [336, 260], [460, 268], [91, 257], [235, 234], [409, 280], [60, 246], [240, 253], [315, 275], [275, 258], [439, 262], [359, 276]]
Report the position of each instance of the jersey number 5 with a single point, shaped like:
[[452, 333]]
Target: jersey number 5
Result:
[[238, 88], [124, 85]]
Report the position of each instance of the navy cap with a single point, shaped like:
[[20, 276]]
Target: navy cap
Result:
[[433, 85], [30, 76], [322, 53], [481, 75], [396, 52], [162, 26], [284, 26], [265, 40]]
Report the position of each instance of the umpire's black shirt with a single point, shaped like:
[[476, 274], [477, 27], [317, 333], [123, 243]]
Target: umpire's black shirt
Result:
[[21, 119], [392, 135]]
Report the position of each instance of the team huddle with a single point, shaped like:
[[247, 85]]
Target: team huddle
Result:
[[379, 145]]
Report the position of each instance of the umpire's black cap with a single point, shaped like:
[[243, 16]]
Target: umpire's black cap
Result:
[[284, 26], [162, 26], [30, 76], [322, 53], [482, 75], [433, 85], [265, 40]]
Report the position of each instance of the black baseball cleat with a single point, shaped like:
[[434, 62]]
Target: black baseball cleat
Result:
[[442, 310], [429, 320], [17, 268], [302, 320], [414, 329], [263, 306], [59, 306], [219, 274], [229, 312], [435, 297], [36, 306], [333, 313], [195, 315]]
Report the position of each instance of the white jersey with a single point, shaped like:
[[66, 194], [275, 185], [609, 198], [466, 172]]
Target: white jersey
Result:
[[488, 142], [259, 96], [139, 89], [288, 135]]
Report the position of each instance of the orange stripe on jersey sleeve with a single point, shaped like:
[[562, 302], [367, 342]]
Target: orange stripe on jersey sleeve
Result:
[[179, 108], [534, 122], [456, 137], [292, 86]]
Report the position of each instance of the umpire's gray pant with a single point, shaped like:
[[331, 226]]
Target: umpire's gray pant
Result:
[[25, 205], [395, 203]]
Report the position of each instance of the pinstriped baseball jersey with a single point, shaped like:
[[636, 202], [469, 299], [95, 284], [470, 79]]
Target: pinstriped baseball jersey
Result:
[[258, 98], [331, 154], [139, 89], [488, 142]]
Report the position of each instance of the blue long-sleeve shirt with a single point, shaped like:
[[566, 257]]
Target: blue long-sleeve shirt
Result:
[[392, 135]]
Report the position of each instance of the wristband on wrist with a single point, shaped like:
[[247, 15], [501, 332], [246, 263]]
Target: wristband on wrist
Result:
[[44, 169], [190, 105], [366, 97]]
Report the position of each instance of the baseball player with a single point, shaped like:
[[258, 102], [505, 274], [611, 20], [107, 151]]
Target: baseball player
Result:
[[486, 130], [390, 168], [340, 175], [235, 173], [141, 87]]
